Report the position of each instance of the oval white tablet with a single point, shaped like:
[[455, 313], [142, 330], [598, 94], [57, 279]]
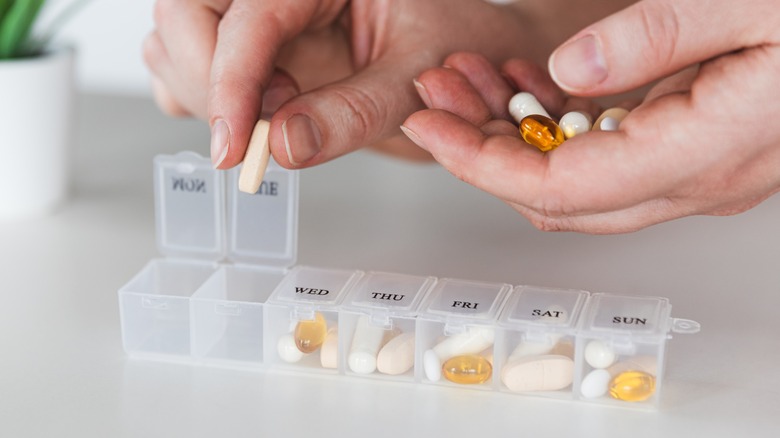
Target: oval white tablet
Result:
[[595, 384], [287, 349], [432, 366], [599, 354]]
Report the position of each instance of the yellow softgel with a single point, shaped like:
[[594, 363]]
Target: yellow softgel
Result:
[[541, 132], [467, 369], [309, 335], [632, 386]]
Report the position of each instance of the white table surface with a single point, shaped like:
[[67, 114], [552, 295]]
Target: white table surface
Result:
[[63, 372]]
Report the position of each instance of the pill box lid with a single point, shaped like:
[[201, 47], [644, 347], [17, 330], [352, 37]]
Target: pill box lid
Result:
[[388, 294], [627, 315], [531, 307], [189, 212], [452, 300], [314, 288], [263, 227]]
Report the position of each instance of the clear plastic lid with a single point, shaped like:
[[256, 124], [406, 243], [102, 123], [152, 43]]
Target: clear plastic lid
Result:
[[641, 316], [391, 294], [263, 227], [460, 299], [188, 204], [317, 287], [196, 220], [543, 307]]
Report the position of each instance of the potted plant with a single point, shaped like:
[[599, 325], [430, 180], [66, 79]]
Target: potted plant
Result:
[[36, 98]]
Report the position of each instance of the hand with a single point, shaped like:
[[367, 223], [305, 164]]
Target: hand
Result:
[[701, 142], [231, 61]]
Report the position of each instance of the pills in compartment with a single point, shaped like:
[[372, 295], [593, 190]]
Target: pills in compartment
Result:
[[632, 386], [309, 335], [599, 355], [467, 369], [397, 356]]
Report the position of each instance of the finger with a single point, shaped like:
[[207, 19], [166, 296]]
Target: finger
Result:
[[338, 118], [166, 101], [281, 88], [528, 76], [450, 90], [250, 36], [486, 80], [678, 83], [649, 40]]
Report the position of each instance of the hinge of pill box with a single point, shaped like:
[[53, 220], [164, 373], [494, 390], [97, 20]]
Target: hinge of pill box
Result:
[[380, 320], [622, 345], [302, 314], [541, 337]]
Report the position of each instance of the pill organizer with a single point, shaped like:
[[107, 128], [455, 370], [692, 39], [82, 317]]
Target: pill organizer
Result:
[[226, 293]]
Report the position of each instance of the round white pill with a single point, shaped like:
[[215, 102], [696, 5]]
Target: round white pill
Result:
[[595, 384], [287, 349], [574, 123], [432, 366], [599, 354]]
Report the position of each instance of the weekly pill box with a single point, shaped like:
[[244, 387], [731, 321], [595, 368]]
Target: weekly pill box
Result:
[[226, 293]]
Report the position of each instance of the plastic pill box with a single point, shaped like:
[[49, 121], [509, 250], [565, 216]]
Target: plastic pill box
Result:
[[226, 293]]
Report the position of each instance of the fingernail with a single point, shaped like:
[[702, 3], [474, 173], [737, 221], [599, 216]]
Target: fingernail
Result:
[[579, 65], [220, 142], [423, 93], [275, 97], [301, 139], [413, 137]]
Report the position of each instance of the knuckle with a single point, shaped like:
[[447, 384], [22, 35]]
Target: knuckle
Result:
[[364, 114], [660, 26]]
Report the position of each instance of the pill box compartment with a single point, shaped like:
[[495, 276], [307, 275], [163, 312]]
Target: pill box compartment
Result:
[[620, 352], [301, 319], [456, 333], [224, 251], [377, 325]]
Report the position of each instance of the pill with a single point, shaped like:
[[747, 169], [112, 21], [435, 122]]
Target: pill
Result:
[[610, 119], [574, 123], [474, 340], [530, 348], [467, 369], [632, 386], [563, 348], [366, 343], [541, 132], [522, 105], [538, 373], [287, 349], [309, 335], [256, 159], [397, 356], [330, 348], [432, 366], [595, 384], [648, 364], [599, 354]]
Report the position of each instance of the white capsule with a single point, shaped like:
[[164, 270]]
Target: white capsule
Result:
[[530, 348], [574, 123], [610, 119], [366, 343], [397, 356], [474, 340], [525, 104], [432, 366], [287, 349], [538, 373], [599, 354], [595, 384], [330, 349]]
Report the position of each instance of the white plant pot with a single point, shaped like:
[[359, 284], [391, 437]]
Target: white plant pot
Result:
[[36, 108]]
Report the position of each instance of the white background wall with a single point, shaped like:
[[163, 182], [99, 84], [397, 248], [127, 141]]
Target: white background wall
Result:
[[108, 35]]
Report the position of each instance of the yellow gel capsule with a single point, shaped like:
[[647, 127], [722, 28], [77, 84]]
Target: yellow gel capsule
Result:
[[467, 369], [541, 132], [309, 335], [632, 386]]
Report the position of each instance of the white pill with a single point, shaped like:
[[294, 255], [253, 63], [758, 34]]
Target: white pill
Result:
[[329, 351], [595, 384], [524, 104], [529, 348], [287, 349], [366, 343], [538, 373], [574, 123], [599, 354], [256, 159], [397, 356], [474, 340], [615, 116], [432, 366]]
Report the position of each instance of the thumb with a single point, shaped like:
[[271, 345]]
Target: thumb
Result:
[[649, 40]]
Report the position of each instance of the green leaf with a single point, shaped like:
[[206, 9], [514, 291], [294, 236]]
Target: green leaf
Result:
[[16, 24]]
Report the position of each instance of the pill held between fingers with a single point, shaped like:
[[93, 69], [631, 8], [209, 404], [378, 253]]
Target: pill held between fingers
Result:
[[329, 349], [397, 356], [287, 349], [256, 159], [538, 373], [610, 119], [574, 123], [599, 355], [522, 105], [595, 384], [366, 343]]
